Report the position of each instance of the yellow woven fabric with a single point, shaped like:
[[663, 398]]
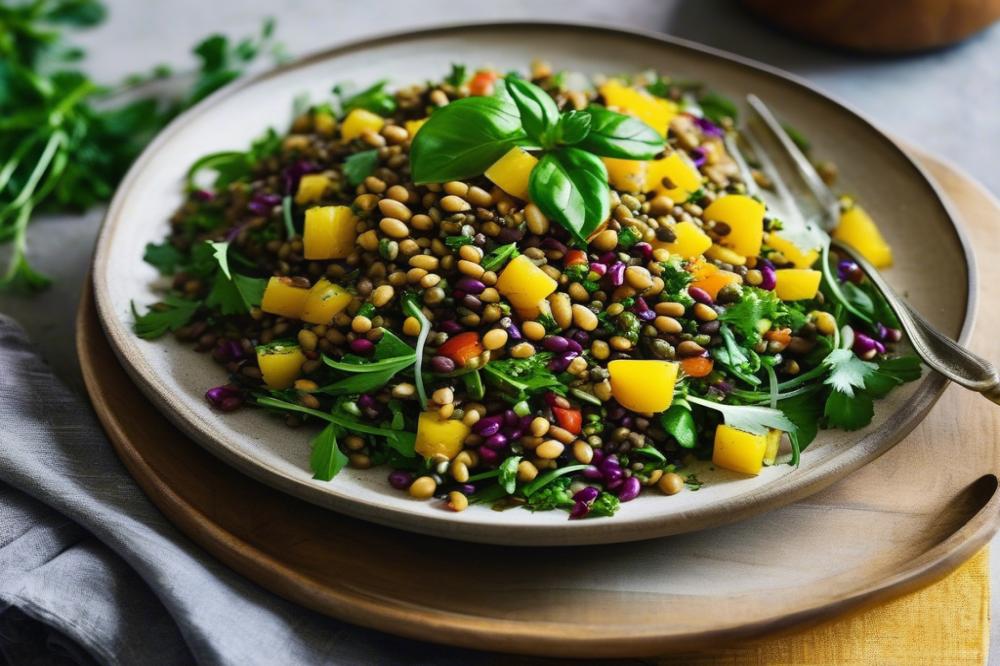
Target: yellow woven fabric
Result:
[[946, 623]]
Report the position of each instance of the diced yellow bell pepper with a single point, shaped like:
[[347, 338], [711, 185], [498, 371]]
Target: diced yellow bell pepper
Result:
[[329, 232], [792, 252], [745, 217], [359, 120], [412, 126], [773, 440], [324, 123], [324, 302], [280, 364], [311, 188], [654, 111], [724, 254], [796, 284], [282, 298], [511, 172], [858, 230], [645, 386], [690, 242], [626, 175], [680, 173], [436, 435], [524, 284], [738, 451]]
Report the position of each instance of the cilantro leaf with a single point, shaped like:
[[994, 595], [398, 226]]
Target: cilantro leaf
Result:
[[220, 252], [359, 166], [748, 418], [847, 371], [804, 411], [848, 412], [520, 378], [164, 257], [554, 496], [326, 459], [169, 315], [745, 314]]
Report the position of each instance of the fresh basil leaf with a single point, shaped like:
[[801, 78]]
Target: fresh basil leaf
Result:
[[617, 135], [326, 459], [573, 127], [650, 452], [508, 474], [679, 422], [538, 111], [390, 346], [359, 166], [571, 187], [464, 138]]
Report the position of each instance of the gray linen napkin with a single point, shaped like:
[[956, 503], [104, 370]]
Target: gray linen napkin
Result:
[[91, 571]]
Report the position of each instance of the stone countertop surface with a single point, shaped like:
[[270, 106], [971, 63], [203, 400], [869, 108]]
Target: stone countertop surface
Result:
[[945, 101]]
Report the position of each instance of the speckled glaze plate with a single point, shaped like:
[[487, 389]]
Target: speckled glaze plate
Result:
[[892, 187]]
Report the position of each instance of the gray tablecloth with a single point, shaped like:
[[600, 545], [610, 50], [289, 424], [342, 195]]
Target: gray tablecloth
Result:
[[91, 571]]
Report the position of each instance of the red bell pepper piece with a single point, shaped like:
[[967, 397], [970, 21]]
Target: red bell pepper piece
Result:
[[462, 347], [568, 418], [575, 257], [482, 82]]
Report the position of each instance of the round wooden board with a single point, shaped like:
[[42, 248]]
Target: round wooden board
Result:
[[895, 525]]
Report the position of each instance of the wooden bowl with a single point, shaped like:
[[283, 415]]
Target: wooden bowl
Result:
[[885, 26]]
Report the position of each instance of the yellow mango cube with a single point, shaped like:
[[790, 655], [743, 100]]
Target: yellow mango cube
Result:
[[772, 440], [283, 298], [412, 126], [690, 242], [436, 435], [511, 172], [682, 176], [324, 123], [738, 451], [626, 175], [524, 284], [359, 120], [280, 364], [858, 230], [312, 186], [745, 217], [329, 232], [324, 302], [644, 386], [654, 111], [796, 284], [792, 252], [720, 253]]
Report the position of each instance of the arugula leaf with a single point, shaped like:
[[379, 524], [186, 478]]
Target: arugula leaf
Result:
[[679, 422], [499, 256], [508, 474], [620, 136], [848, 412], [327, 459], [524, 377], [169, 315], [538, 111], [748, 418], [164, 257], [359, 166], [847, 371], [465, 138], [571, 187]]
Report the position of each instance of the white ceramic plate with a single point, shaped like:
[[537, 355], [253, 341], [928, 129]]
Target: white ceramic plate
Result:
[[933, 267]]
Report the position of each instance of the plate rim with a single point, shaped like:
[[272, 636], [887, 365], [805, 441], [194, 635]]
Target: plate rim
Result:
[[573, 533]]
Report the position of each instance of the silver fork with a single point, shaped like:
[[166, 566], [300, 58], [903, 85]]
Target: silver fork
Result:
[[937, 350]]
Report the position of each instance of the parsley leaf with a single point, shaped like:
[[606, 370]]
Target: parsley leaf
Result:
[[804, 411], [327, 459], [359, 166], [605, 505], [169, 315]]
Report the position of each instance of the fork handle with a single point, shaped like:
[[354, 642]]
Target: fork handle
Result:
[[936, 349]]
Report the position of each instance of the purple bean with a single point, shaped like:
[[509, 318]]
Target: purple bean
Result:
[[700, 295], [645, 249], [222, 396], [700, 157], [487, 426], [574, 346], [609, 463], [442, 364], [362, 346], [615, 412], [510, 235], [627, 421], [204, 195], [470, 285], [768, 277], [524, 422], [641, 305], [555, 343], [472, 302], [512, 330], [562, 361], [598, 457], [450, 326], [615, 482], [488, 456], [400, 479], [630, 489], [365, 401], [608, 258], [552, 244], [580, 338], [591, 472], [579, 510], [893, 335], [230, 403], [848, 270], [512, 432], [647, 315], [588, 494], [467, 488], [510, 417], [617, 274], [599, 268], [497, 441]]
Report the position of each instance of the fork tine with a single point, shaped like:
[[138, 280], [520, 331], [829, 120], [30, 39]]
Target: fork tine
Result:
[[788, 203], [810, 177]]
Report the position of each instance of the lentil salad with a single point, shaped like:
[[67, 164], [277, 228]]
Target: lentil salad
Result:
[[549, 292]]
